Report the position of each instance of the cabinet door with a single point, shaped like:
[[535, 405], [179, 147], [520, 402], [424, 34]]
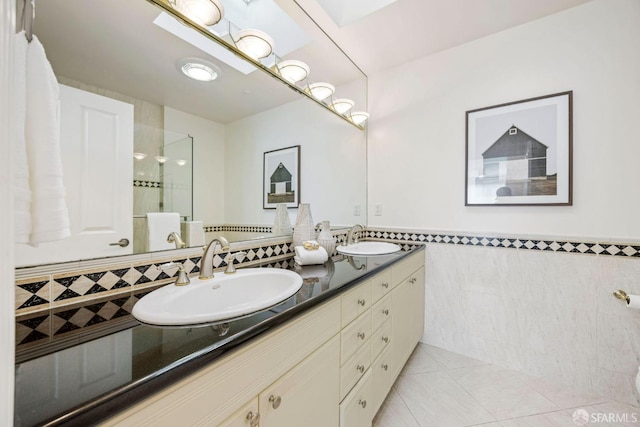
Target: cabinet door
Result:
[[417, 305], [402, 338], [308, 394], [247, 416], [382, 372], [357, 409]]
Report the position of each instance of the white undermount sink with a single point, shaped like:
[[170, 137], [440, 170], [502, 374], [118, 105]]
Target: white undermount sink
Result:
[[368, 248], [223, 297]]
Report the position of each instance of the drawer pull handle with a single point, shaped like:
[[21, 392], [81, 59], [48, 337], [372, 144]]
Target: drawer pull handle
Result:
[[361, 335], [360, 368], [385, 339], [385, 285], [362, 403], [385, 311], [275, 401], [253, 418], [385, 366], [362, 302]]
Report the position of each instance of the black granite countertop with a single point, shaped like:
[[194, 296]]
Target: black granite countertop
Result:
[[91, 377]]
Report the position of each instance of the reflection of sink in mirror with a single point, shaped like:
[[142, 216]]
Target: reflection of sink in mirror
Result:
[[368, 248], [221, 298]]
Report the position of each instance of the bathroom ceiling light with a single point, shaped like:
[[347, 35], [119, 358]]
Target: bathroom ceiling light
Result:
[[359, 117], [161, 159], [203, 12], [321, 90], [181, 162], [198, 69], [342, 105], [139, 156], [293, 70], [254, 43]]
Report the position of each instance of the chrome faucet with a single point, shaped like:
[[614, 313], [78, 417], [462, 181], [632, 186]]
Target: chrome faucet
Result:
[[174, 237], [350, 235], [206, 262]]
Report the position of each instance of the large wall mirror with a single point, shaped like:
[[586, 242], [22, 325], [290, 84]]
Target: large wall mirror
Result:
[[194, 148]]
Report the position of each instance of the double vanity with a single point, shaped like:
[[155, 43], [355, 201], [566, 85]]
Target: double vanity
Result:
[[327, 356]]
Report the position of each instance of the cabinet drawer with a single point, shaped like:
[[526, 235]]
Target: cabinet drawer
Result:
[[401, 270], [381, 312], [351, 371], [355, 336], [381, 338], [380, 285], [357, 409], [355, 302]]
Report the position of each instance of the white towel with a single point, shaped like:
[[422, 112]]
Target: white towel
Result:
[[49, 213], [159, 226], [309, 257], [192, 233], [21, 190]]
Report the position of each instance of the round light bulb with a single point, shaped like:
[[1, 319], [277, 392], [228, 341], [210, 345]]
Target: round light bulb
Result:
[[200, 72], [342, 105], [321, 90], [203, 12], [359, 117], [254, 43], [293, 71]]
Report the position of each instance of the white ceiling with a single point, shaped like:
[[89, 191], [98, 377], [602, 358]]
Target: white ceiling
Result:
[[411, 29], [113, 44]]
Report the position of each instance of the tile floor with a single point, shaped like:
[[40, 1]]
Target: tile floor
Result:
[[438, 388]]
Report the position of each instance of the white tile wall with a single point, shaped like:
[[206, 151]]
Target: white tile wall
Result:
[[547, 314]]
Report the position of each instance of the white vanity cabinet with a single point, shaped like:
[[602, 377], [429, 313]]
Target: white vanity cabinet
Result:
[[396, 327], [330, 367]]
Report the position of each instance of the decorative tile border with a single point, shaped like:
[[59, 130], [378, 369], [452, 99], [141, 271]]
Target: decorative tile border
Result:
[[147, 184], [63, 288], [624, 250], [242, 228], [46, 329]]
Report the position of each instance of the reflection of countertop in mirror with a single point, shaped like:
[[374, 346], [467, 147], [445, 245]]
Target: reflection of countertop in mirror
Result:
[[98, 371]]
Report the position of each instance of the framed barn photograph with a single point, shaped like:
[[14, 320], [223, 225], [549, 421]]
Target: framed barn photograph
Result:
[[520, 153], [281, 177]]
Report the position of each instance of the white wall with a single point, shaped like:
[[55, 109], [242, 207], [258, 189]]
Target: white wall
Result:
[[208, 162], [418, 123], [332, 163], [7, 307], [548, 314]]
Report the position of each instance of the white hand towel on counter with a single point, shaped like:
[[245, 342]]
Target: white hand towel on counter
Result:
[[192, 233], [159, 226], [21, 190], [49, 213], [309, 257]]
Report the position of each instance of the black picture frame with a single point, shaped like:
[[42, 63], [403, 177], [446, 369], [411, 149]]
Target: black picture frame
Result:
[[281, 177], [520, 153]]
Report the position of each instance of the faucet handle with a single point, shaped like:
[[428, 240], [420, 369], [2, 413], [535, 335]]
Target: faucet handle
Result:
[[183, 278], [229, 260]]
